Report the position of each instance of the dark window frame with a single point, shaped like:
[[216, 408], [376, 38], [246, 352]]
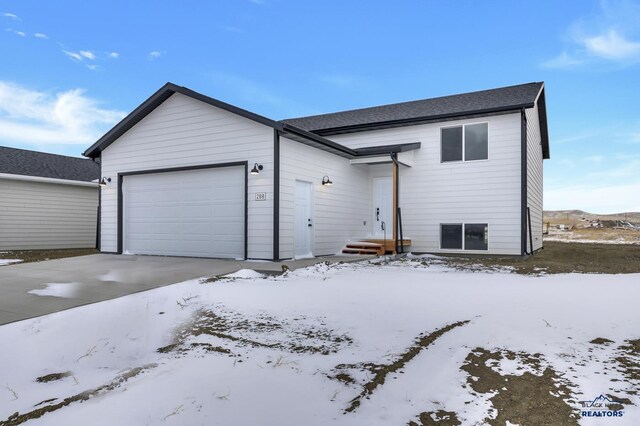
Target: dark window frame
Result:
[[463, 126], [463, 235]]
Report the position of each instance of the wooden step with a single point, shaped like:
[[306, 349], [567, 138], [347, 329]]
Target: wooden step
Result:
[[360, 251], [388, 244], [370, 248]]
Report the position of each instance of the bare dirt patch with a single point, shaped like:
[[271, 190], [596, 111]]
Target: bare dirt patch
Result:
[[381, 371], [264, 331], [53, 377], [28, 256], [538, 396], [558, 258], [628, 359], [439, 417]]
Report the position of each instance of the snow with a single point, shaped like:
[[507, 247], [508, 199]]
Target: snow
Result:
[[381, 306], [4, 262], [65, 290]]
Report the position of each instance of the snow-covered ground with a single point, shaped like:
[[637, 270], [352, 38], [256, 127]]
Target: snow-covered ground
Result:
[[9, 261], [299, 349]]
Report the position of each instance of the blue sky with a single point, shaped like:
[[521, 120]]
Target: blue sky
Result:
[[71, 69]]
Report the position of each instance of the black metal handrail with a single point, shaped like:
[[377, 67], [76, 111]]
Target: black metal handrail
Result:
[[399, 230]]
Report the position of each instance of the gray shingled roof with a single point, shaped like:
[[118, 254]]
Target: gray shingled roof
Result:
[[32, 163], [493, 100]]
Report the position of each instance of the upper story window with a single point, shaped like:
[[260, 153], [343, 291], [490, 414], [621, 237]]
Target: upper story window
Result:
[[469, 142]]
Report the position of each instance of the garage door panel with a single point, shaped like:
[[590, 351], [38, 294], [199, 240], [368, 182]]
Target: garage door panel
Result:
[[188, 213]]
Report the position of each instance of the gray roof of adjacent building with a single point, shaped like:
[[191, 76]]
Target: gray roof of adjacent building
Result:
[[23, 162]]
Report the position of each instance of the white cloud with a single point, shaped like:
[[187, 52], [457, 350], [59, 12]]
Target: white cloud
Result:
[[11, 16], [114, 55], [611, 34], [92, 67], [16, 32], [41, 35], [64, 117], [155, 54], [594, 199], [564, 60], [87, 54], [612, 45], [73, 55]]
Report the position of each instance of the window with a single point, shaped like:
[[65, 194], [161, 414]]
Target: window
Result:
[[451, 237], [476, 236], [452, 144], [470, 142]]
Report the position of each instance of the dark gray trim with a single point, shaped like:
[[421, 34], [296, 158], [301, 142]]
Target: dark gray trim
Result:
[[246, 210], [544, 131], [276, 195], [529, 229], [122, 175], [316, 141], [523, 183], [98, 218], [387, 149], [120, 214], [423, 120]]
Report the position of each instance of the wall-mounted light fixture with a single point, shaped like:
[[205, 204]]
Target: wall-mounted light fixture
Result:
[[256, 169], [105, 181], [326, 181]]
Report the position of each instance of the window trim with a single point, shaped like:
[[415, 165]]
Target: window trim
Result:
[[463, 144], [463, 224]]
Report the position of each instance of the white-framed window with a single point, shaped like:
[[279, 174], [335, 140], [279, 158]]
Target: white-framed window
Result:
[[466, 142], [464, 236]]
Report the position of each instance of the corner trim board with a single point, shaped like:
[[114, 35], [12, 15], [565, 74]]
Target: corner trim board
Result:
[[276, 195], [523, 183]]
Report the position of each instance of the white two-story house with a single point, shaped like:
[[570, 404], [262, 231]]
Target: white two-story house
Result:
[[188, 175]]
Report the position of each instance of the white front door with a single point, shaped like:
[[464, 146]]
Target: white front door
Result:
[[303, 219], [383, 207]]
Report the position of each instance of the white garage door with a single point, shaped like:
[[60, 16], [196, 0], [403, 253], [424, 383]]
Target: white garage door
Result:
[[196, 213]]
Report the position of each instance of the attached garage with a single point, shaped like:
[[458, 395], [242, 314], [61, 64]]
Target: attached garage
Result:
[[198, 212]]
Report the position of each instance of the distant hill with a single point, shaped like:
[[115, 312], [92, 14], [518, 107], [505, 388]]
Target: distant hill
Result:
[[576, 215]]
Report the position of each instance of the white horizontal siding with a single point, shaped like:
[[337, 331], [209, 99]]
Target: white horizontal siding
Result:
[[37, 215], [340, 210], [472, 192], [186, 132], [534, 176]]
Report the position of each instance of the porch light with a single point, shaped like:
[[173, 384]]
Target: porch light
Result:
[[104, 181], [256, 169], [326, 181]]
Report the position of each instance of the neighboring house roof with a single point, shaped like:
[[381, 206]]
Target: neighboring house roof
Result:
[[15, 161], [484, 102]]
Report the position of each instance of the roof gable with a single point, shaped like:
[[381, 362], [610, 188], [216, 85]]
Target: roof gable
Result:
[[22, 162]]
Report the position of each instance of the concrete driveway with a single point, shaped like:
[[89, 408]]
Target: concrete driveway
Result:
[[101, 277]]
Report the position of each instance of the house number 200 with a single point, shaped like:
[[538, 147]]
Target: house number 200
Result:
[[261, 196]]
